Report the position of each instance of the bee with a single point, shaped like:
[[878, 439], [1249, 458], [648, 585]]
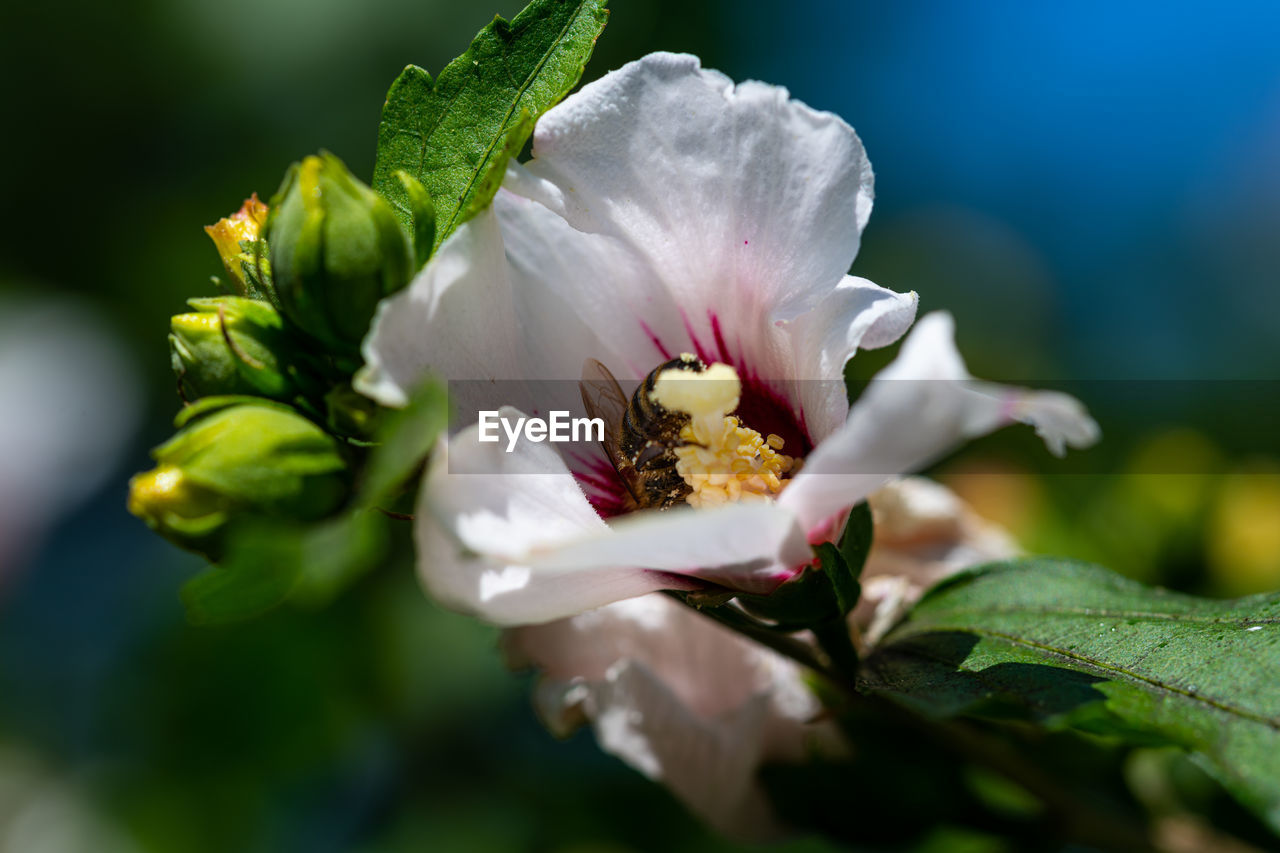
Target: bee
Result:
[[640, 435]]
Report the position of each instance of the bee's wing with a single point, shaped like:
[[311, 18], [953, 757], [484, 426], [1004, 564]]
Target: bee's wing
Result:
[[603, 398]]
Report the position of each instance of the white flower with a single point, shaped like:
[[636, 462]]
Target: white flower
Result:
[[666, 211]]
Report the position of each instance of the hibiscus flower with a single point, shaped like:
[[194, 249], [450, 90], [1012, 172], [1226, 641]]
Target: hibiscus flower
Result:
[[668, 211]]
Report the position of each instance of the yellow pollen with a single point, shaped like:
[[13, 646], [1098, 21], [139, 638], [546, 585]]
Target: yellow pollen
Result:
[[722, 460]]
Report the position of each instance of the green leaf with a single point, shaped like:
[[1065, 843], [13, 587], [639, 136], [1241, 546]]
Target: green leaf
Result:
[[404, 440], [334, 554], [855, 542], [842, 577], [455, 134], [267, 564], [258, 573], [1068, 644]]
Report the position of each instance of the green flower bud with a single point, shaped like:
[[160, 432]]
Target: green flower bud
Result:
[[336, 250], [235, 458], [230, 345]]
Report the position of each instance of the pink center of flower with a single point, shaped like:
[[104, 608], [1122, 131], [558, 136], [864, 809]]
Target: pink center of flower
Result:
[[742, 442]]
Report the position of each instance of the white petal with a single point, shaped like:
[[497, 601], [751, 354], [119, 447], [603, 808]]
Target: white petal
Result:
[[678, 697], [481, 510], [581, 296], [710, 765], [515, 501], [710, 669], [742, 200], [511, 537], [856, 315], [747, 546], [1059, 419], [456, 320], [917, 409], [516, 595]]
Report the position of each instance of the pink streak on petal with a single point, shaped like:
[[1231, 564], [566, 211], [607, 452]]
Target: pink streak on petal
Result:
[[603, 488], [718, 335], [657, 342], [699, 350]]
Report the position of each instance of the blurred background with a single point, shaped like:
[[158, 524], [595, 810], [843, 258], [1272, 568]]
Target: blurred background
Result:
[[1093, 190]]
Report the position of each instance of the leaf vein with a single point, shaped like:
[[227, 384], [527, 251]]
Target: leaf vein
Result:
[[1103, 613], [1244, 713], [524, 87]]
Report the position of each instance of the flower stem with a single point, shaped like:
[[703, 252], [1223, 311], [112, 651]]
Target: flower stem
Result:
[[736, 620], [834, 639]]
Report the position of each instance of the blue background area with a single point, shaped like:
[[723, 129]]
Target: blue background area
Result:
[[1130, 147]]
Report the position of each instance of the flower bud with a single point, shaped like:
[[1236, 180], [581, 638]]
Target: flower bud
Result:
[[336, 250], [230, 345], [233, 459], [238, 238]]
